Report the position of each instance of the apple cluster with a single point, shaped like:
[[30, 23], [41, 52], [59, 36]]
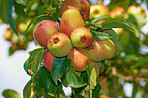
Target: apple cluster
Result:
[[72, 39]]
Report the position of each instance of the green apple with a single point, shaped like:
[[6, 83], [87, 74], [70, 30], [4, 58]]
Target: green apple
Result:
[[44, 30], [59, 44], [97, 10], [81, 37], [71, 19], [80, 59]]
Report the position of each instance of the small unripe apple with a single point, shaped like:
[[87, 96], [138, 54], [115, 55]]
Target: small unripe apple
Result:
[[14, 46], [117, 11], [97, 10], [48, 60], [81, 5], [80, 59], [100, 50], [8, 34], [21, 27], [70, 20], [104, 96], [81, 37], [59, 44], [136, 10], [44, 30]]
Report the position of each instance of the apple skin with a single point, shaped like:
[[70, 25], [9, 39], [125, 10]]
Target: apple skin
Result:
[[80, 58], [59, 44], [104, 96], [48, 60], [119, 31], [8, 34], [100, 50], [97, 10], [44, 30], [117, 11], [81, 5], [136, 10], [70, 20], [81, 37]]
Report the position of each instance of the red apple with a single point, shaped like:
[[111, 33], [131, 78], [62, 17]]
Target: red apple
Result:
[[100, 22], [81, 37], [44, 30], [81, 5], [117, 11], [136, 10], [100, 50], [97, 10], [59, 44], [8, 34], [70, 20], [104, 96], [48, 60], [80, 59]]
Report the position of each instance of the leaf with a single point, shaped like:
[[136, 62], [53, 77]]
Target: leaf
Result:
[[72, 79], [96, 91], [100, 36], [99, 19], [22, 2], [26, 65], [115, 38], [4, 4], [10, 18], [78, 96], [54, 15], [9, 93], [92, 76], [44, 80], [27, 90], [58, 68], [29, 5], [11, 51]]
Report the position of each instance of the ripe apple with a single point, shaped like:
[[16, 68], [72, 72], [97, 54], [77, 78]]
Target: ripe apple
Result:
[[44, 30], [100, 22], [97, 10], [104, 96], [48, 60], [136, 10], [59, 44], [81, 37], [100, 50], [8, 34], [70, 20], [80, 59], [117, 11], [81, 5], [97, 67]]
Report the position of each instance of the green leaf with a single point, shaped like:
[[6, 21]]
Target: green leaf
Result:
[[4, 6], [72, 79], [92, 76], [100, 36], [58, 68], [27, 90], [10, 18], [35, 59], [26, 65], [115, 38], [44, 79], [99, 19], [96, 91], [11, 51], [54, 15], [29, 5], [9, 93], [78, 96], [22, 2]]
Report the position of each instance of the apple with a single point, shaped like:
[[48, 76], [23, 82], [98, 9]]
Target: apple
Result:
[[97, 67], [117, 11], [21, 27], [119, 31], [100, 22], [97, 10], [48, 60], [71, 19], [100, 50], [81, 37], [8, 34], [104, 96], [136, 10], [14, 46], [80, 58], [81, 5], [59, 44], [44, 30]]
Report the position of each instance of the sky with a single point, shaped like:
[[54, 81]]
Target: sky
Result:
[[12, 73]]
